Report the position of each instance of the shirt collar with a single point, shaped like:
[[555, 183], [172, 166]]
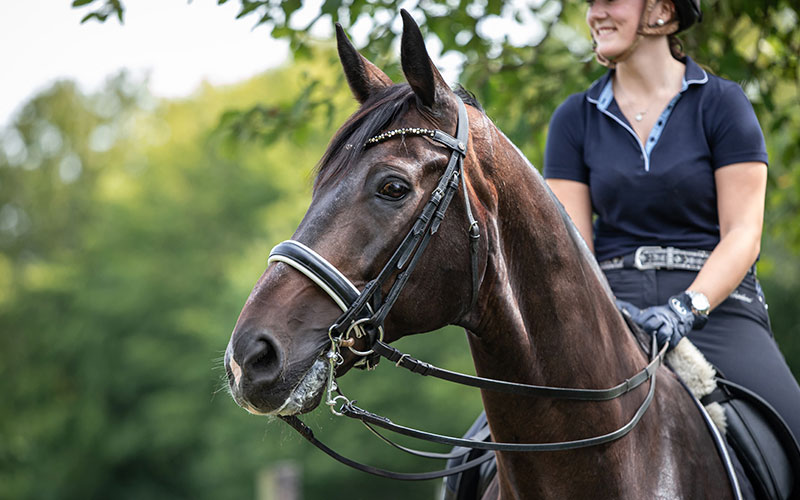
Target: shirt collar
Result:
[[601, 94], [694, 74]]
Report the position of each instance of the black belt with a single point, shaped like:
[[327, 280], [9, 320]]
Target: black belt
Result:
[[669, 258]]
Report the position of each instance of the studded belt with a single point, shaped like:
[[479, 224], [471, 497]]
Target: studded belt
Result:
[[645, 258]]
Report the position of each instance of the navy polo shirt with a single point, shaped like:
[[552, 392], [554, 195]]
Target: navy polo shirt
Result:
[[661, 192]]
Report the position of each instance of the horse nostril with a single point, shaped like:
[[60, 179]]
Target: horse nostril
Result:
[[264, 359], [262, 364]]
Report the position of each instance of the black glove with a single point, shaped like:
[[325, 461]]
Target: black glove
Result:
[[669, 323]]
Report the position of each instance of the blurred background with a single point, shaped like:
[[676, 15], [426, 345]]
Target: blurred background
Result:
[[152, 152]]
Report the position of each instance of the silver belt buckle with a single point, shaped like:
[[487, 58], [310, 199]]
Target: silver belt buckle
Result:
[[670, 260], [639, 258]]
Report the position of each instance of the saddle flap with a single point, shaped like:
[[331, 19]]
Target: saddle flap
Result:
[[471, 484], [763, 443]]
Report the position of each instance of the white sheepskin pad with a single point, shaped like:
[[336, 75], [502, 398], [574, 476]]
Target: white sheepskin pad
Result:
[[698, 375]]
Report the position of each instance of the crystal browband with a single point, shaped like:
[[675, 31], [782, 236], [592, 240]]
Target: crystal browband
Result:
[[399, 131]]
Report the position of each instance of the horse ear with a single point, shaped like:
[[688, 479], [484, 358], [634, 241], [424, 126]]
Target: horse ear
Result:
[[363, 77], [420, 71]]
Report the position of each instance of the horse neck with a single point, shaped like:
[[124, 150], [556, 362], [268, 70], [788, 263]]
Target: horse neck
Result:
[[549, 314], [547, 317]]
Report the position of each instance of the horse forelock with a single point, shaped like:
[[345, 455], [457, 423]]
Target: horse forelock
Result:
[[373, 117]]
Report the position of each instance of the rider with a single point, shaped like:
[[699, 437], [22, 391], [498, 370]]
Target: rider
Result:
[[671, 160]]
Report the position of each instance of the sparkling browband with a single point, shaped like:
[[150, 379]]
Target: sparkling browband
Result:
[[399, 131]]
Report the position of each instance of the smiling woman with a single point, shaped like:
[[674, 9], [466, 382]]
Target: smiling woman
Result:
[[663, 168]]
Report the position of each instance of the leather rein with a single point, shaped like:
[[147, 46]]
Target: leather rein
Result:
[[364, 313]]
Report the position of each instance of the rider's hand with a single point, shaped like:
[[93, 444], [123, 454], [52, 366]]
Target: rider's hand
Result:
[[669, 323]]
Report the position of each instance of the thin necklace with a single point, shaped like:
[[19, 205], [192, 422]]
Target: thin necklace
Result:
[[639, 116]]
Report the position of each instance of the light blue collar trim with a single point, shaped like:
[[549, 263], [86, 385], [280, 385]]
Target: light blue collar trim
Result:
[[606, 96], [695, 81]]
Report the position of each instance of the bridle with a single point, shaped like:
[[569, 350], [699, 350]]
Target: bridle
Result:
[[364, 313]]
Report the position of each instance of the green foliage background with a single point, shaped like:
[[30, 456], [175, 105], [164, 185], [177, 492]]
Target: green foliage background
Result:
[[131, 231]]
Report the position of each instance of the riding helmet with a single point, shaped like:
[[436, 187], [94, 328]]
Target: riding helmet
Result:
[[688, 12]]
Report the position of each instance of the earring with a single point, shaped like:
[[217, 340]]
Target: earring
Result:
[[660, 22]]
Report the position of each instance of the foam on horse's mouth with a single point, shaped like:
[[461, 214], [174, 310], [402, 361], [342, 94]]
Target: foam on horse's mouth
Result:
[[306, 391]]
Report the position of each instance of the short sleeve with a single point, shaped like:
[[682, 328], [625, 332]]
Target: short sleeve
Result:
[[736, 135], [563, 152]]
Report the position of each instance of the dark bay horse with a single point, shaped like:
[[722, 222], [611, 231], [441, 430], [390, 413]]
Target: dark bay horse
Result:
[[541, 314]]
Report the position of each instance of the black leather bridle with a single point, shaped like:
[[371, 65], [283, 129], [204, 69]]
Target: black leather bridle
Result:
[[365, 312]]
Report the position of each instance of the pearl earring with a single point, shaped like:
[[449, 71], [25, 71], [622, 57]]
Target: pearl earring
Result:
[[660, 22]]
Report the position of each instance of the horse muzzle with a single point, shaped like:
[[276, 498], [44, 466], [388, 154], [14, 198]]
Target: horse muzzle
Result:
[[269, 375]]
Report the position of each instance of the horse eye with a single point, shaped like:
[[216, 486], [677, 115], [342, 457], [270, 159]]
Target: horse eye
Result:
[[393, 190]]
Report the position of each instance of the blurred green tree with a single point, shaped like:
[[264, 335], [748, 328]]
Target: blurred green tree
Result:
[[118, 231]]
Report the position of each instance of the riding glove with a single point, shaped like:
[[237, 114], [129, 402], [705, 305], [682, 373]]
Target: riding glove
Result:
[[669, 323]]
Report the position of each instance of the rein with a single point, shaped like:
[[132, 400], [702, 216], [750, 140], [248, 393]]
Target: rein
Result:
[[370, 419], [364, 314]]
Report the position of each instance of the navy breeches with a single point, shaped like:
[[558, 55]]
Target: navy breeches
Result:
[[737, 339]]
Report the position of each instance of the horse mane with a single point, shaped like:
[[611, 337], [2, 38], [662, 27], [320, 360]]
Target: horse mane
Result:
[[580, 245], [374, 116]]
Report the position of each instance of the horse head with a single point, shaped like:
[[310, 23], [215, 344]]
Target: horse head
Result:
[[369, 191]]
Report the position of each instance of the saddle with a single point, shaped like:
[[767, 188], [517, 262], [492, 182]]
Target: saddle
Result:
[[764, 445], [471, 484]]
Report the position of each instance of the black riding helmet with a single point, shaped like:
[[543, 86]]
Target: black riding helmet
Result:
[[688, 12]]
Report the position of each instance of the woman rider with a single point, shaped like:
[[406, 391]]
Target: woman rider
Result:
[[672, 161]]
